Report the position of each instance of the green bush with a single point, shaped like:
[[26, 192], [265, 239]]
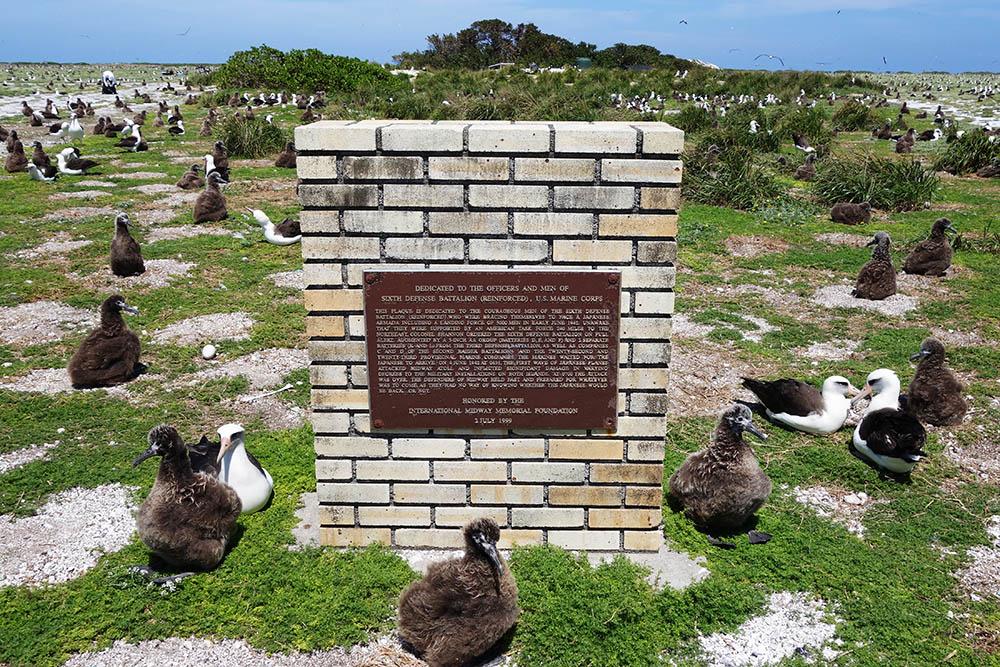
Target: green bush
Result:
[[309, 70], [854, 115], [887, 183], [730, 177], [809, 122], [245, 137], [692, 119], [968, 153], [734, 130]]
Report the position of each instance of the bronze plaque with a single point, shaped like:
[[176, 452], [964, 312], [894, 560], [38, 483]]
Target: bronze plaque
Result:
[[492, 349]]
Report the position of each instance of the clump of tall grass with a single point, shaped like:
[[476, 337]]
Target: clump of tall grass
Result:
[[968, 153], [887, 183], [854, 115], [249, 137], [692, 118], [809, 122], [727, 177]]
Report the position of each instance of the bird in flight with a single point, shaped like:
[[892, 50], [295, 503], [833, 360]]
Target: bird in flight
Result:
[[884, 60], [734, 50], [770, 58], [683, 21], [182, 34]]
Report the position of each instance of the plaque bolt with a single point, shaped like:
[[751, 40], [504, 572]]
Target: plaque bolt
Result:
[[609, 422], [370, 278], [377, 423], [612, 280]]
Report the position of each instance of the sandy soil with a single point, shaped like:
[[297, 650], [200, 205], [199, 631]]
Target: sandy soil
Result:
[[206, 328], [43, 322]]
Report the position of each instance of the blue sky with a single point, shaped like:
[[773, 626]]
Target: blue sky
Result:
[[916, 35]]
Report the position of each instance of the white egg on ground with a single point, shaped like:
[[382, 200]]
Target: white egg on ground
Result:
[[208, 352]]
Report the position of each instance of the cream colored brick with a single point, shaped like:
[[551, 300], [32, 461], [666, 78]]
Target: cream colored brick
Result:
[[335, 135], [644, 518], [660, 199], [327, 375], [553, 169], [331, 422], [508, 196], [625, 473], [331, 326], [393, 470], [337, 350], [435, 538], [322, 274], [644, 496], [488, 223], [359, 375], [429, 494], [641, 171], [422, 138], [459, 516], [637, 224], [517, 448], [585, 496], [591, 251], [648, 277], [645, 327], [319, 221], [356, 325], [394, 516], [508, 250], [337, 469], [430, 249], [595, 138], [553, 224], [338, 195], [657, 252], [548, 472], [427, 448], [661, 139], [356, 272], [352, 493], [645, 540], [419, 195], [651, 353], [343, 399], [593, 197], [339, 247], [350, 446], [353, 537], [512, 538], [586, 449], [336, 515], [650, 427], [645, 450], [643, 378], [333, 300], [469, 168], [383, 168], [497, 494], [649, 404], [508, 138], [586, 540], [362, 424], [384, 222], [546, 517], [316, 166], [654, 303], [470, 471]]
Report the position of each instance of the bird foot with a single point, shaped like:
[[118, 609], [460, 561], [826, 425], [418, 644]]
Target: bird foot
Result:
[[758, 537], [719, 543]]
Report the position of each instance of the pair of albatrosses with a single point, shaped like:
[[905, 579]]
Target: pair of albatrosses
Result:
[[931, 257]]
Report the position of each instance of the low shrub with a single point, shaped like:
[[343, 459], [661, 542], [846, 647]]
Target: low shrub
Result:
[[968, 153], [727, 177], [887, 183], [809, 122], [692, 118], [854, 115], [245, 137]]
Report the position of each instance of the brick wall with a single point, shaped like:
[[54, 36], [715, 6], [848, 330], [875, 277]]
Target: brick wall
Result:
[[488, 195]]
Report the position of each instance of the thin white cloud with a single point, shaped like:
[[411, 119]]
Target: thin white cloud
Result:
[[736, 10]]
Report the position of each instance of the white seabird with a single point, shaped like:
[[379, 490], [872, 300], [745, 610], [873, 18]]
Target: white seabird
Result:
[[240, 470]]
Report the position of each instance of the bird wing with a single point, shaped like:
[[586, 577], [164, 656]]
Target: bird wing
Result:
[[780, 60], [203, 455], [892, 432], [793, 397], [763, 55], [875, 272]]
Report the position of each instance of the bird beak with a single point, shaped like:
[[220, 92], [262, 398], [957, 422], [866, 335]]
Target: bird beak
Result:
[[852, 390], [129, 309], [951, 228], [490, 550], [756, 431], [226, 444], [864, 392], [920, 355], [872, 242], [142, 457]]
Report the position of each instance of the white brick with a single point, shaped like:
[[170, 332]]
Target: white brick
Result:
[[500, 494], [335, 135], [594, 197], [359, 375], [648, 277], [431, 249], [553, 224], [331, 422], [352, 493], [394, 516], [652, 427], [356, 325], [339, 247], [508, 138], [384, 222], [470, 471], [644, 327], [657, 252], [337, 350], [651, 353], [654, 303], [428, 448], [469, 168], [548, 472], [356, 272], [327, 375], [429, 494], [595, 138], [518, 448], [491, 223], [643, 378], [507, 250], [338, 195], [654, 198], [459, 516], [393, 470], [419, 195], [509, 196], [546, 517], [591, 251], [383, 168], [649, 404], [660, 138], [351, 446], [322, 273], [436, 538], [316, 166], [646, 450], [585, 540], [553, 169], [319, 221], [641, 171], [338, 469], [422, 138]]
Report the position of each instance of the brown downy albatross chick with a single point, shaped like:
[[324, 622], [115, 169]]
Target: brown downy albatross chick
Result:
[[877, 278], [462, 606], [16, 159], [126, 256], [722, 486], [191, 180], [807, 172], [210, 204], [932, 256], [109, 355], [220, 157], [188, 517], [936, 396], [286, 158], [851, 214]]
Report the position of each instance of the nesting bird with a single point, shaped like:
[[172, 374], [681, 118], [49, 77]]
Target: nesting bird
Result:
[[16, 159], [210, 204], [126, 256], [807, 171], [877, 278], [935, 395], [286, 232], [188, 517], [801, 406], [238, 468], [71, 163], [888, 437], [191, 180], [37, 175], [932, 256], [722, 486], [462, 606], [851, 214], [286, 158], [109, 355]]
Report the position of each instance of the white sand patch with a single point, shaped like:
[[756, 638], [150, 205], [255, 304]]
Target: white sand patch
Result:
[[66, 537], [79, 213], [263, 368], [58, 245], [837, 505], [839, 296], [80, 194], [158, 273], [834, 350], [704, 380], [293, 279], [138, 175], [981, 577], [178, 199], [43, 322], [793, 623], [277, 415], [954, 338], [95, 184], [206, 328], [683, 327], [20, 457], [763, 326], [184, 232], [840, 238], [43, 381], [155, 188]]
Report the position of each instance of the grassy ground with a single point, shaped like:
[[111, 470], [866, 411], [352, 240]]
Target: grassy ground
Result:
[[894, 589]]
